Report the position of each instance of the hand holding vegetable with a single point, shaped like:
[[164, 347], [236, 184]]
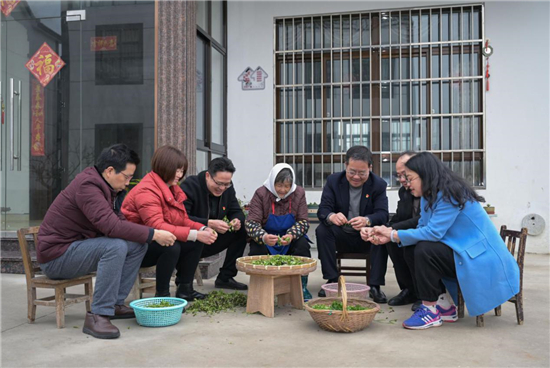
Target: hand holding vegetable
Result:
[[219, 225], [270, 240], [236, 223], [207, 236], [358, 222], [286, 239], [338, 219]]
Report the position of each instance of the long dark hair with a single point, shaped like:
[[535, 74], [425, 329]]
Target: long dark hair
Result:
[[437, 177]]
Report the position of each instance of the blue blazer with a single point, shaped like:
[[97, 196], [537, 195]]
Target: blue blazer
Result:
[[335, 198], [487, 273]]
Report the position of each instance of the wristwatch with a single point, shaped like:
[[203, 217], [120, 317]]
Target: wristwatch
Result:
[[368, 221]]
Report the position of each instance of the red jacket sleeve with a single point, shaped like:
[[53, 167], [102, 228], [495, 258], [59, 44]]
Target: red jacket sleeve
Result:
[[149, 207]]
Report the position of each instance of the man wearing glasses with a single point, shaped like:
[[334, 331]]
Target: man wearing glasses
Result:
[[210, 199], [84, 232], [352, 199]]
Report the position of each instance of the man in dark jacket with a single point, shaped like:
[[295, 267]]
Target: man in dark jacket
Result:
[[211, 198], [406, 217], [351, 200], [82, 233]]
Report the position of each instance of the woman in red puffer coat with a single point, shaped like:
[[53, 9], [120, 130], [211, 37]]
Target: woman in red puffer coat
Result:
[[157, 201]]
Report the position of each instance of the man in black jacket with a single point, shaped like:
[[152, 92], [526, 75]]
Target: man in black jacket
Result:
[[352, 199], [211, 198], [406, 217]]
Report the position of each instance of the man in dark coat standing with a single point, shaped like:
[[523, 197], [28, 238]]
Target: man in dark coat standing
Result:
[[82, 232], [211, 198], [352, 199]]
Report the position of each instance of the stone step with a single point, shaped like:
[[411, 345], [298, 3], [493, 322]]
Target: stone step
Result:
[[11, 261]]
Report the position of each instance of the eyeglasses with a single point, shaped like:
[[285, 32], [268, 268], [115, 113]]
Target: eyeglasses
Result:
[[400, 176], [408, 180], [128, 177], [361, 174], [222, 185]]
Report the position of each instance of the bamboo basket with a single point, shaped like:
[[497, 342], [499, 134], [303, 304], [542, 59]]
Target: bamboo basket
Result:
[[344, 320], [244, 264]]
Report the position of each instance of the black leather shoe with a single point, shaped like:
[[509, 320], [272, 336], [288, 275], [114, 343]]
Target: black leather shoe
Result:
[[230, 284], [377, 295], [186, 291], [416, 305], [322, 293], [123, 312], [403, 298]]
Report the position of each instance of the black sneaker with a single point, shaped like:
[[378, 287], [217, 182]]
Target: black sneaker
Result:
[[230, 284]]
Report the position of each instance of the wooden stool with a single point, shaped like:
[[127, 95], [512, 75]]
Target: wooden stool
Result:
[[266, 282], [61, 298], [263, 289], [144, 283]]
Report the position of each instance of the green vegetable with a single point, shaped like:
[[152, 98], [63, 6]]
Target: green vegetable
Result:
[[218, 301], [161, 304], [278, 260], [338, 306], [226, 220]]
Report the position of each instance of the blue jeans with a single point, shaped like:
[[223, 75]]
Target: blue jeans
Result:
[[116, 261]]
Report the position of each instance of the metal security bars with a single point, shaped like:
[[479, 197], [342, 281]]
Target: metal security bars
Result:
[[391, 80]]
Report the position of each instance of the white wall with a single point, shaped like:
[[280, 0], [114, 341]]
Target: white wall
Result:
[[517, 116]]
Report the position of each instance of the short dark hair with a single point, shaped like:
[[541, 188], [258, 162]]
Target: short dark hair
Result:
[[359, 153], [284, 176], [437, 177], [220, 164], [117, 156], [167, 160]]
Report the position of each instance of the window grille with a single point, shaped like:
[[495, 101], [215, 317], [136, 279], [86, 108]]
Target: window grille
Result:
[[391, 80]]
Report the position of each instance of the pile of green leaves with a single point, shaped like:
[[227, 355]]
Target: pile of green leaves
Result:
[[278, 260], [218, 301], [226, 220], [338, 306], [161, 304]]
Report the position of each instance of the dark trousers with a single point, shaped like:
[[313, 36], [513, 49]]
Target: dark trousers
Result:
[[432, 262], [403, 273], [234, 242], [299, 247], [332, 238], [185, 255]]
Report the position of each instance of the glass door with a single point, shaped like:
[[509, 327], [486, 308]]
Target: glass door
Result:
[[37, 98], [71, 85]]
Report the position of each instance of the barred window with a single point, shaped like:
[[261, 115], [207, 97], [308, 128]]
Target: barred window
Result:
[[396, 80]]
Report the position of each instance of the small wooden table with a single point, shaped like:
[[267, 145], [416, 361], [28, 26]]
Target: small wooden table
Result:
[[266, 282]]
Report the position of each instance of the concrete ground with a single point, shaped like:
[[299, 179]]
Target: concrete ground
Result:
[[291, 339]]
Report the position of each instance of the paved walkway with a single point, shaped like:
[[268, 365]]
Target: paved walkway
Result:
[[291, 339]]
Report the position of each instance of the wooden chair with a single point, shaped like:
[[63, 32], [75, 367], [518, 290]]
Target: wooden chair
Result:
[[60, 300], [353, 270], [510, 237]]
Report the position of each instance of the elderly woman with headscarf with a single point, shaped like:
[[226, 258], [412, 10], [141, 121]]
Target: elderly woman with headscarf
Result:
[[277, 219]]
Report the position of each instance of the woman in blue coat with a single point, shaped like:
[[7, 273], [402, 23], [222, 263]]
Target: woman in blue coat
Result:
[[454, 240]]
